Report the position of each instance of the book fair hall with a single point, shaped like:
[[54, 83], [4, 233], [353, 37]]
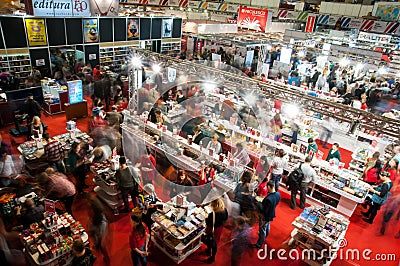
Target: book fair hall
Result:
[[220, 132]]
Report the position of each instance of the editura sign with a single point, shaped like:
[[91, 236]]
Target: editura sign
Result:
[[58, 8]]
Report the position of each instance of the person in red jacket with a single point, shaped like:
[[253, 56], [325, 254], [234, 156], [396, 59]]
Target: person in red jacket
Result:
[[147, 166], [139, 241]]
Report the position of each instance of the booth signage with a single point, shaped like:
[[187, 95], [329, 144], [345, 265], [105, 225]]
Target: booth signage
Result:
[[75, 92], [133, 29], [253, 18], [372, 37], [167, 28], [36, 31], [171, 74], [58, 7], [355, 23], [310, 25]]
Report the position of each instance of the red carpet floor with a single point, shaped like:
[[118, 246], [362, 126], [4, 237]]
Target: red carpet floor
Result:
[[360, 235]]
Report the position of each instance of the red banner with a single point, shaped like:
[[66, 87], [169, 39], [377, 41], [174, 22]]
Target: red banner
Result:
[[252, 18], [311, 19]]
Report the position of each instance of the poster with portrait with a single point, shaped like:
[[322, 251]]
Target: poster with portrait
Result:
[[133, 29], [90, 30], [36, 31], [167, 28]]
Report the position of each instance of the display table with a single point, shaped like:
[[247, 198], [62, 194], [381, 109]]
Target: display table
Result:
[[30, 149], [50, 241], [177, 231], [106, 185], [76, 110], [320, 231]]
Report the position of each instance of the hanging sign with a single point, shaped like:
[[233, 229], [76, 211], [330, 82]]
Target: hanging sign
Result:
[[36, 31], [320, 155], [49, 206], [104, 7], [310, 25], [171, 74], [252, 18]]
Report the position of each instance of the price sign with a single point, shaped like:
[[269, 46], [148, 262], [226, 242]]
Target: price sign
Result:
[[320, 154], [49, 206]]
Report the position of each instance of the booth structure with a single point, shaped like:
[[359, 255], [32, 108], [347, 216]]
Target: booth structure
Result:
[[101, 41]]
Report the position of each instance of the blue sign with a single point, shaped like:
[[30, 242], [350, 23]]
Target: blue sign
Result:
[[75, 91]]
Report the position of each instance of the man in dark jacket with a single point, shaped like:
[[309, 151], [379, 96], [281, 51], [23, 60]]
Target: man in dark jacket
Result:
[[126, 183], [32, 107], [267, 213]]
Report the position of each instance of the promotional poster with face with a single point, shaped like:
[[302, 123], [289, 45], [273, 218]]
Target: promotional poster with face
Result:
[[91, 31], [133, 29]]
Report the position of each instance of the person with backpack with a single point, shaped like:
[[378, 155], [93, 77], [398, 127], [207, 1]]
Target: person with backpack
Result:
[[379, 196], [267, 213], [299, 179]]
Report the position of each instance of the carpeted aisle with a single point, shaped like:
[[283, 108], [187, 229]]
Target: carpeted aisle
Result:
[[360, 234]]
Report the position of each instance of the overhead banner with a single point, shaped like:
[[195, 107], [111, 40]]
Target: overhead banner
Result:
[[91, 30], [58, 8], [36, 31], [379, 26], [104, 7], [252, 18], [388, 12], [366, 25], [375, 38], [311, 21], [391, 27], [183, 3], [332, 20], [133, 29], [323, 19], [282, 14]]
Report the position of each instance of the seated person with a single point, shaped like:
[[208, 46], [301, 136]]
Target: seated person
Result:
[[5, 146], [32, 213], [160, 117], [36, 128], [198, 135]]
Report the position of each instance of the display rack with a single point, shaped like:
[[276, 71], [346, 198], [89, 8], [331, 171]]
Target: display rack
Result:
[[171, 46], [319, 230], [106, 187], [177, 231], [49, 243], [114, 54], [18, 61], [55, 96]]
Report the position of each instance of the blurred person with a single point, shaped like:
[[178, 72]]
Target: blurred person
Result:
[[267, 213], [139, 241], [5, 145], [391, 167], [147, 166], [276, 127], [326, 134], [98, 227], [198, 135], [83, 256], [7, 169], [101, 153], [241, 240], [379, 195], [118, 95], [241, 154], [32, 108], [279, 162], [56, 186], [126, 183], [31, 213], [246, 202], [214, 225], [245, 180], [392, 209]]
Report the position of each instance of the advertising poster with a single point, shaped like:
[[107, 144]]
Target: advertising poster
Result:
[[133, 29], [249, 58], [387, 12], [167, 28], [58, 8], [310, 25], [90, 30], [252, 18], [36, 31], [75, 91]]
